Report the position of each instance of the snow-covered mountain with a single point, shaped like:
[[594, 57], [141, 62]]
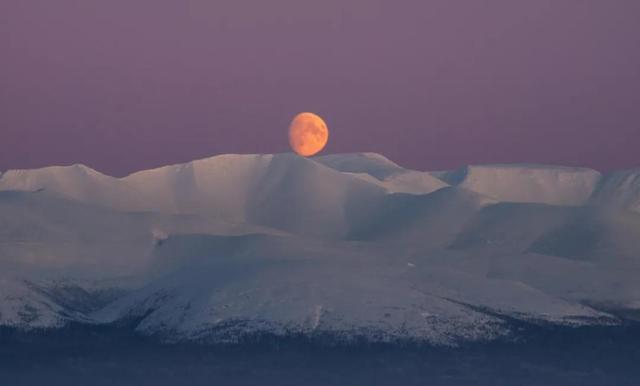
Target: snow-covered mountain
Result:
[[281, 191], [351, 245]]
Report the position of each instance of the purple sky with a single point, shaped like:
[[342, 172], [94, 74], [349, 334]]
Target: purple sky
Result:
[[122, 85]]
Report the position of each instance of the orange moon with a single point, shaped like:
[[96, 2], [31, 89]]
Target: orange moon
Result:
[[308, 134]]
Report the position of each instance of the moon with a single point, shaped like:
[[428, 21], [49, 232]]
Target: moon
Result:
[[308, 134]]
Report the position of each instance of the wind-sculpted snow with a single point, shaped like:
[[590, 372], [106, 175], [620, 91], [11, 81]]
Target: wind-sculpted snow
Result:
[[349, 245]]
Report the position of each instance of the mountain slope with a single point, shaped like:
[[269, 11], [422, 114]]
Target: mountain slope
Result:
[[41, 231], [619, 190], [233, 287], [580, 233], [21, 305], [76, 182], [420, 220], [553, 185]]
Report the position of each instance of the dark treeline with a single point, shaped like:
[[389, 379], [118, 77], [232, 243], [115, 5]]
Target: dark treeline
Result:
[[115, 355]]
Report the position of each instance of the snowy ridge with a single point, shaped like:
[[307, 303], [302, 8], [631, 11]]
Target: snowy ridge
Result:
[[376, 165], [529, 183], [383, 172], [204, 184], [76, 182]]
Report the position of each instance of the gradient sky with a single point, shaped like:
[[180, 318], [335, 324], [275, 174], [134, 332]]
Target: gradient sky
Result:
[[122, 85]]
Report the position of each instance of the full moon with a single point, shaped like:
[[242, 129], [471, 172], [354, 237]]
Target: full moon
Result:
[[308, 134]]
